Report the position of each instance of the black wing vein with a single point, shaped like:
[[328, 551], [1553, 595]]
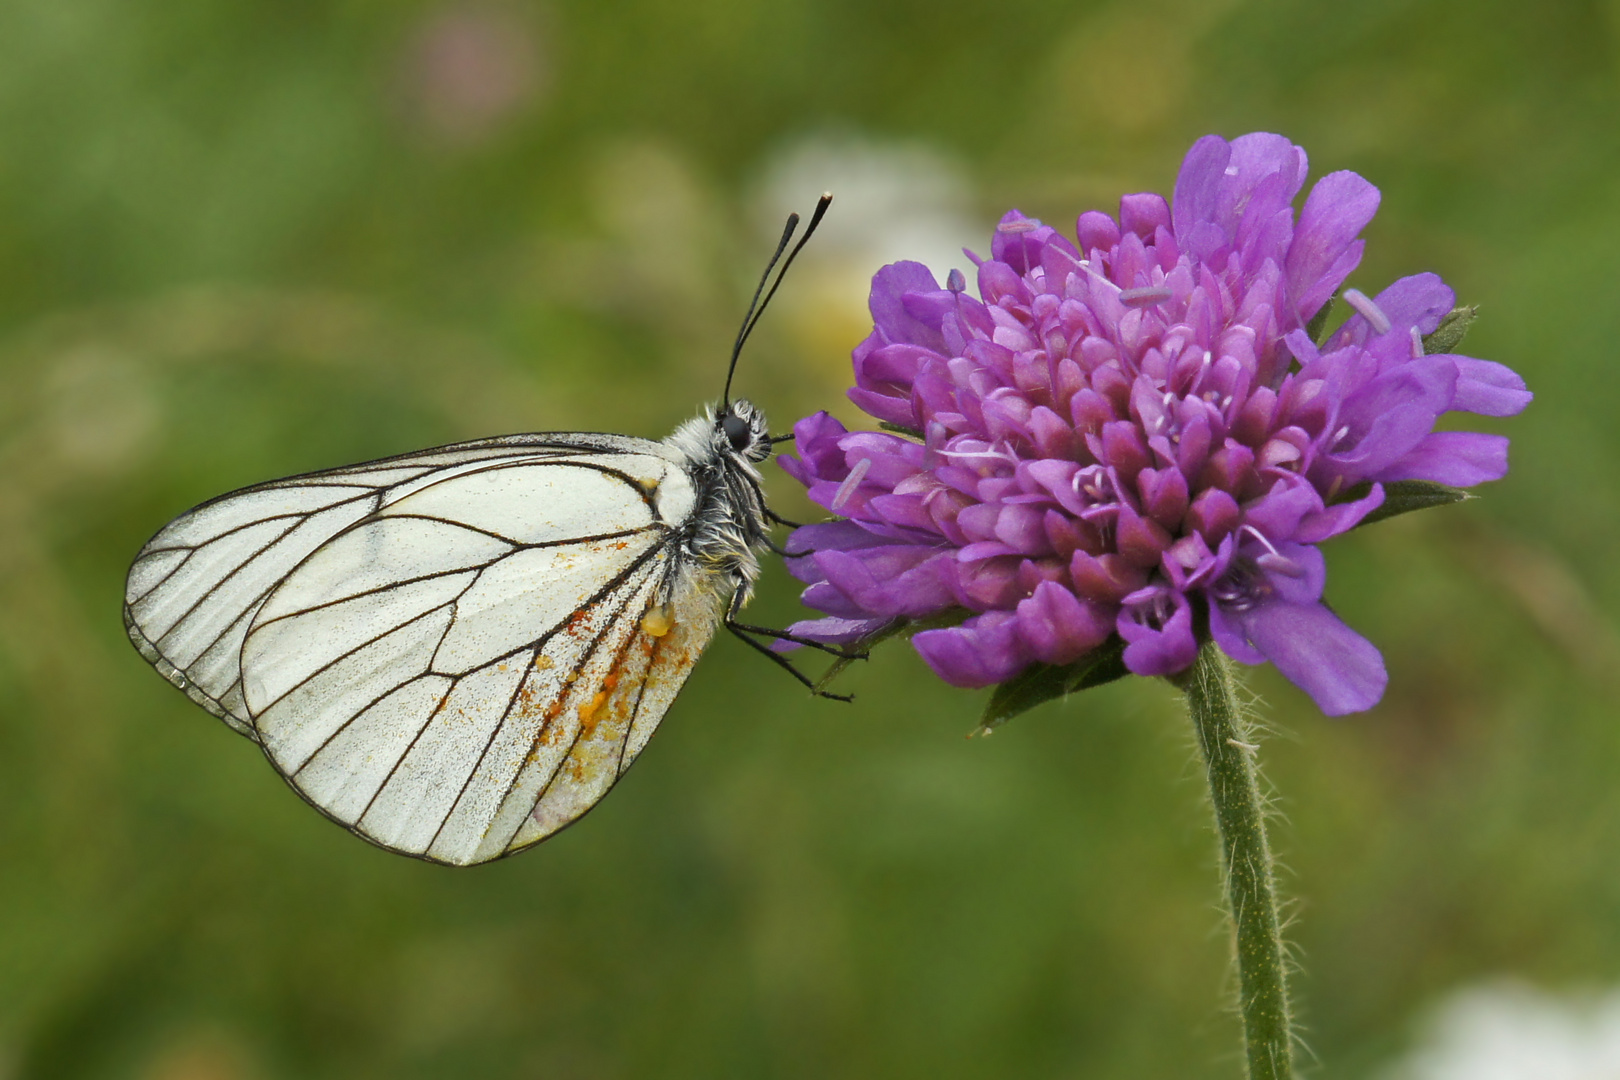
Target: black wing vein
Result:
[[607, 627]]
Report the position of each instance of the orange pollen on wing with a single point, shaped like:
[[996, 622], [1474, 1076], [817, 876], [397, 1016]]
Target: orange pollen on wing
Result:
[[587, 710], [658, 621]]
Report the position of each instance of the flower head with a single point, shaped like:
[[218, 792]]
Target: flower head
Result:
[[1131, 432]]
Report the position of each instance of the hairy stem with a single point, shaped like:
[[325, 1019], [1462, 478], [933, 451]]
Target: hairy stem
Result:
[[1229, 760]]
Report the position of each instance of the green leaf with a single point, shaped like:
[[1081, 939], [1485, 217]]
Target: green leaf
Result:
[[1042, 682], [1316, 329], [1452, 329], [1404, 496]]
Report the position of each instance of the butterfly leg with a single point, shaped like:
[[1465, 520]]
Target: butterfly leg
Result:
[[744, 630], [782, 662], [777, 549], [737, 601], [780, 520], [783, 635]]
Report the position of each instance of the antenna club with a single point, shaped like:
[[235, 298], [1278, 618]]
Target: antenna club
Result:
[[757, 306]]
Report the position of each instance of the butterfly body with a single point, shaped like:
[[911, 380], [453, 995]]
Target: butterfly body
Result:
[[457, 652]]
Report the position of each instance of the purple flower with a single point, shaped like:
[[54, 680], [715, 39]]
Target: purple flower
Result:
[[1132, 433]]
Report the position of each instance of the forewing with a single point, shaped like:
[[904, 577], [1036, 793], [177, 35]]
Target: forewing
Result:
[[477, 647], [195, 587]]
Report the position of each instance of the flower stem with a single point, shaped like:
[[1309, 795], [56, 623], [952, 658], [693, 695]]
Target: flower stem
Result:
[[1229, 759]]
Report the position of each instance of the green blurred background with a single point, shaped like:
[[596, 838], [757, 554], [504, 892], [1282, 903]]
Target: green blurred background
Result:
[[246, 238]]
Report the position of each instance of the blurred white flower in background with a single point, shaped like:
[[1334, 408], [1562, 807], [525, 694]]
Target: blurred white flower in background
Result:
[[892, 200], [895, 200], [1510, 1031]]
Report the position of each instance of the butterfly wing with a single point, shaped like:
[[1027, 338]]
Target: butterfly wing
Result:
[[465, 659], [193, 589], [195, 586]]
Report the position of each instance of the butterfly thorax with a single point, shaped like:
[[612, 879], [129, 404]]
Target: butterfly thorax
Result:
[[728, 525]]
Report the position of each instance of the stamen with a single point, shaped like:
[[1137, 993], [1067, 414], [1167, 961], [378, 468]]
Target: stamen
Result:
[[1417, 344], [851, 482], [1273, 561], [1146, 296], [1204, 367], [1024, 226], [995, 455], [1089, 481], [1260, 536], [1277, 564], [1368, 310], [955, 282]]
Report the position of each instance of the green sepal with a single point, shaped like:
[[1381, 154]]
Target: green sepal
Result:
[[1316, 329], [1452, 329], [900, 429], [1404, 496], [1040, 683]]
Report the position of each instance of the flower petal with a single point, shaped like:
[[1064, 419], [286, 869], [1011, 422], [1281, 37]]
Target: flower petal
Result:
[[1227, 630], [1159, 650], [1337, 209], [1487, 388], [888, 307], [1058, 627], [1341, 670], [1198, 185], [1416, 301], [1338, 518], [819, 458], [983, 651], [1458, 458]]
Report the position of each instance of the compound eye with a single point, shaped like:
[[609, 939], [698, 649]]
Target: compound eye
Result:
[[738, 433]]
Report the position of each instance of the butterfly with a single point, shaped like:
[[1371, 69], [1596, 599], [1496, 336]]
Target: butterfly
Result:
[[457, 652]]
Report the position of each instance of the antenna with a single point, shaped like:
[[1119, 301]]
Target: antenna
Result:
[[756, 306]]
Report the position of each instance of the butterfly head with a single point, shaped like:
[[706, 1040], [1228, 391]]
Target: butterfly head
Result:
[[740, 429]]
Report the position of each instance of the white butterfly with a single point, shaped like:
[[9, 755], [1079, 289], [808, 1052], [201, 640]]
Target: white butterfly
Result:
[[457, 652]]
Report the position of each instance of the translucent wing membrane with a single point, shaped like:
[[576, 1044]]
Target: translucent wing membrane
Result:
[[453, 653], [196, 585]]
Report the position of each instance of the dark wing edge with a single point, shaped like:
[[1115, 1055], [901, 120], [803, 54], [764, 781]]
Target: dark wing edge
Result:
[[177, 678]]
